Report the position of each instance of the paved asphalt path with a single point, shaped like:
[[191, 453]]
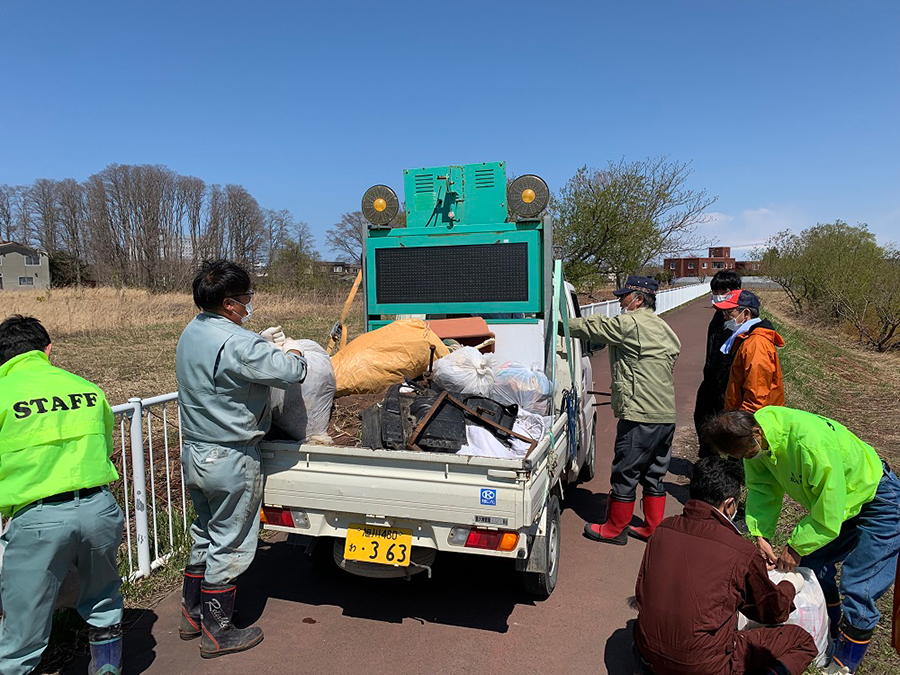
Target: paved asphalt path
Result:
[[472, 617]]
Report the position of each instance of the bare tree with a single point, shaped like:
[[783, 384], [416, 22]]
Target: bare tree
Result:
[[245, 224], [46, 212], [6, 212], [70, 195], [347, 236]]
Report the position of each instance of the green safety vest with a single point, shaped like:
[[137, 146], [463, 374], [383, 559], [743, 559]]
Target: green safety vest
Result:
[[820, 464], [55, 432]]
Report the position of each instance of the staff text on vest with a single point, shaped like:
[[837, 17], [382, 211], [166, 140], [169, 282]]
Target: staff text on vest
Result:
[[53, 404]]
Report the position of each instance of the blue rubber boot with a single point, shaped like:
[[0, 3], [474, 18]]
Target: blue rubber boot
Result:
[[106, 650], [850, 646]]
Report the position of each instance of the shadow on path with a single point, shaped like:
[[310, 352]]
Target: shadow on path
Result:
[[466, 582], [617, 656]]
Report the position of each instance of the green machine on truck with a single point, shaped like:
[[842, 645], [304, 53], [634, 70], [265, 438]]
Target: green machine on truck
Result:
[[473, 244]]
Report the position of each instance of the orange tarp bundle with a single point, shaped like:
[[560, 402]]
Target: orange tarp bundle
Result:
[[375, 360]]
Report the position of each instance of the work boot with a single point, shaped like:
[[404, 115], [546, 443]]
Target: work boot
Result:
[[219, 634], [613, 531], [833, 605], [654, 512], [106, 650], [850, 646], [190, 602]]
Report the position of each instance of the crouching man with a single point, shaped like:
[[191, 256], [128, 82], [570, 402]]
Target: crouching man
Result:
[[224, 374], [55, 442], [853, 503], [698, 572]]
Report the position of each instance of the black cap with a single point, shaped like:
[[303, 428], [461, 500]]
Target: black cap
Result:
[[634, 283]]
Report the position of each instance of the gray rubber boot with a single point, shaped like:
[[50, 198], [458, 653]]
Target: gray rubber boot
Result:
[[220, 637]]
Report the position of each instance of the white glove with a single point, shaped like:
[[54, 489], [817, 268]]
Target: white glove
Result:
[[834, 668], [274, 335], [796, 579], [291, 345]]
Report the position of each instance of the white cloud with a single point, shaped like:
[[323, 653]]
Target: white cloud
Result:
[[751, 227]]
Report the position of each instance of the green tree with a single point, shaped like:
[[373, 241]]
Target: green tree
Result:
[[618, 219]]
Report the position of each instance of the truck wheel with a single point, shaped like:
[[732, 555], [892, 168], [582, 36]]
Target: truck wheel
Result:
[[589, 468], [541, 583]]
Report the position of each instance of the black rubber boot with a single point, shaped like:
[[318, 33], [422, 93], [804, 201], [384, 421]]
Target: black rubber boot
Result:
[[106, 650], [219, 634], [189, 628]]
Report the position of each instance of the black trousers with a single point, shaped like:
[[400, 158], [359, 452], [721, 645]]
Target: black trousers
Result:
[[709, 404], [642, 455]]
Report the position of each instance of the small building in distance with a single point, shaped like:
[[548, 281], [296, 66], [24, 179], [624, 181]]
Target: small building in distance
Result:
[[23, 268], [339, 269], [748, 266], [719, 258]]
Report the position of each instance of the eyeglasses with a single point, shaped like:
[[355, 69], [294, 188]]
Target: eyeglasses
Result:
[[249, 294]]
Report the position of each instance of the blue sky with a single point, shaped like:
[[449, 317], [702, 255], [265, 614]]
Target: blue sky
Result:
[[788, 111]]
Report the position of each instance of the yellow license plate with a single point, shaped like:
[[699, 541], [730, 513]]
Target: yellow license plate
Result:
[[382, 545]]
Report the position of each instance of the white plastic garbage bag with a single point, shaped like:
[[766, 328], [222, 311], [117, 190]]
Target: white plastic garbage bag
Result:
[[304, 410], [529, 388], [481, 442], [466, 371], [810, 614]]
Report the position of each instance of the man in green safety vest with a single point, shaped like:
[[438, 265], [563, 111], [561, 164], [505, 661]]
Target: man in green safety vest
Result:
[[55, 444], [852, 499]]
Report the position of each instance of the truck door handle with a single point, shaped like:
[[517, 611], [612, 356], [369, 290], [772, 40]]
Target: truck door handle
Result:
[[502, 473]]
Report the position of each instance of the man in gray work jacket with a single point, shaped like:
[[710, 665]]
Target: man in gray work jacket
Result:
[[642, 353], [224, 375]]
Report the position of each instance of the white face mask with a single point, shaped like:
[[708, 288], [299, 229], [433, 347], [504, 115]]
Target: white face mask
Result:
[[627, 307], [733, 325], [248, 307]]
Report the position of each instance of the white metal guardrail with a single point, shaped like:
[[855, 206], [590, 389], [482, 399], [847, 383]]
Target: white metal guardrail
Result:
[[148, 450], [149, 462], [665, 301]]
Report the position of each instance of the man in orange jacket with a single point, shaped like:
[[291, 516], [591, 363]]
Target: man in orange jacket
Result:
[[755, 379]]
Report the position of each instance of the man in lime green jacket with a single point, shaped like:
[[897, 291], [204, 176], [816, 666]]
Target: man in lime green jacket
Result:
[[853, 503], [55, 444]]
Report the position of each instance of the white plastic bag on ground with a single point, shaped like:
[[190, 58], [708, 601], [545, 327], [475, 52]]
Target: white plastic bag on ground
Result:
[[304, 410], [466, 371], [810, 614], [529, 388]]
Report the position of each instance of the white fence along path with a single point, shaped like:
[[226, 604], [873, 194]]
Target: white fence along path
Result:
[[148, 455]]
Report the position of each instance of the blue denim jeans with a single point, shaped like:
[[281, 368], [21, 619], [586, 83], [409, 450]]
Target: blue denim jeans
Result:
[[867, 545]]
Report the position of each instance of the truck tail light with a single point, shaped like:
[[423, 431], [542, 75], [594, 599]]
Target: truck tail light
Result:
[[492, 540], [275, 515]]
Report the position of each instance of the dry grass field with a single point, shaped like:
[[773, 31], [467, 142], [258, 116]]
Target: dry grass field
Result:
[[124, 340]]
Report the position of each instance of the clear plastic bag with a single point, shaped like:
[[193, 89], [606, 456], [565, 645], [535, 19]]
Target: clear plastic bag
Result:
[[303, 410], [810, 614], [466, 371], [529, 388]]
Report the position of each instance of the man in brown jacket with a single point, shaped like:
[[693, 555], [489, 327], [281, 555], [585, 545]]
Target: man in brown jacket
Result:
[[755, 379], [697, 574]]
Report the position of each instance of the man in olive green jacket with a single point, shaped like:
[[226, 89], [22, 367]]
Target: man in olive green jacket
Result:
[[642, 354]]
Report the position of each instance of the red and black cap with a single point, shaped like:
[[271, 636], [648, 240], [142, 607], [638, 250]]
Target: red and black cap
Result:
[[738, 298]]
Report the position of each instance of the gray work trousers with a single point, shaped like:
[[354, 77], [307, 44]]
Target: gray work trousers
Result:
[[642, 455], [226, 487], [43, 541]]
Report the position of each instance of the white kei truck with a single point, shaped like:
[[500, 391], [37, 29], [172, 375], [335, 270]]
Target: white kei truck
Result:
[[472, 245]]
